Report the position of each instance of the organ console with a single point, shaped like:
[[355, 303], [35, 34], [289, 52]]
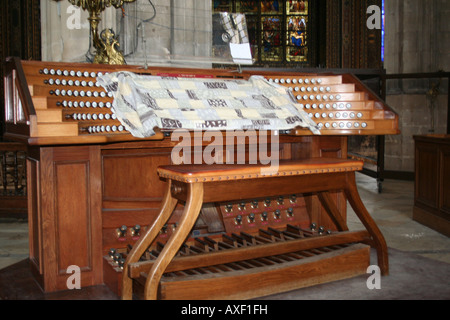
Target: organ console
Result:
[[93, 190]]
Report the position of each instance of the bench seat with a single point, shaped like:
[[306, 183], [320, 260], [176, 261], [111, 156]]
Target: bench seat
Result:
[[199, 184]]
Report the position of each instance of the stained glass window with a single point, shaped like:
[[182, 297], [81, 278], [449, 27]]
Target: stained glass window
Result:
[[297, 22], [271, 34], [278, 30], [222, 6]]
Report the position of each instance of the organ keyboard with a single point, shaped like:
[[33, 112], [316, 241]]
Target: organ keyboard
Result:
[[67, 101], [93, 187]]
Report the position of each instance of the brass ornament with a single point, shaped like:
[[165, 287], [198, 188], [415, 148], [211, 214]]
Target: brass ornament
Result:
[[106, 43], [108, 54]]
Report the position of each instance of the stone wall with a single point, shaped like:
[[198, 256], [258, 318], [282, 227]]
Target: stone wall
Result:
[[417, 41], [415, 119], [175, 32], [65, 31]]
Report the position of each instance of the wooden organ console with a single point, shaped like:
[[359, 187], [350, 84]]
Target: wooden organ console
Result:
[[93, 188]]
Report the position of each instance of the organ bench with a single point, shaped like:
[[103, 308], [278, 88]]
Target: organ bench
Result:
[[93, 188], [209, 274]]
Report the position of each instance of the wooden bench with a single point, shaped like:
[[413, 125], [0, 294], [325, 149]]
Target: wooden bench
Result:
[[199, 184]]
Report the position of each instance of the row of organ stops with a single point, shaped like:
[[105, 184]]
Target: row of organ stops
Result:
[[311, 89], [78, 83], [295, 81], [264, 216], [119, 255], [122, 231], [82, 79], [309, 92], [136, 230], [71, 73], [77, 93], [255, 203], [81, 93], [82, 104]]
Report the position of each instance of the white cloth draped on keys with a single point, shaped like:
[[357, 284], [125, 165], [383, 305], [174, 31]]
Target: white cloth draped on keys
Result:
[[143, 102]]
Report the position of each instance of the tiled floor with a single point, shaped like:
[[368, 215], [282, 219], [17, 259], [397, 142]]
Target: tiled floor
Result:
[[13, 241], [392, 211]]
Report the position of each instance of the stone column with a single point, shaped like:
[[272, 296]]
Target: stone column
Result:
[[417, 41], [168, 33]]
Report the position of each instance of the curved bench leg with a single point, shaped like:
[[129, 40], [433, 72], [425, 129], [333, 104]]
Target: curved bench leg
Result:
[[189, 217], [363, 215], [168, 205]]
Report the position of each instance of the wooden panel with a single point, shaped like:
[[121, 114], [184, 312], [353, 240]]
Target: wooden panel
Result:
[[328, 147], [331, 266], [431, 219], [432, 187], [445, 182], [34, 219], [332, 147], [66, 224], [130, 175], [361, 47], [427, 173], [132, 191], [72, 186], [47, 222]]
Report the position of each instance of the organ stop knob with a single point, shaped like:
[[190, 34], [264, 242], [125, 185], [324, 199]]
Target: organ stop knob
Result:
[[264, 216], [135, 231], [122, 231], [290, 212]]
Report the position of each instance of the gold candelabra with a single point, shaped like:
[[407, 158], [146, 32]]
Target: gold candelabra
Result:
[[105, 43]]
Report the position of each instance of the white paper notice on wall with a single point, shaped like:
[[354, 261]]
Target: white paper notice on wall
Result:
[[241, 53]]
